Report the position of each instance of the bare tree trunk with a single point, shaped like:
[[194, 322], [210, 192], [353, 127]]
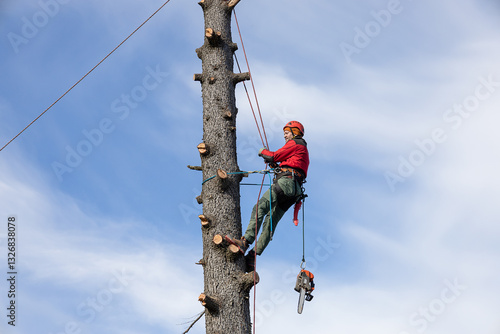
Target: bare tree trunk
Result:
[[226, 290]]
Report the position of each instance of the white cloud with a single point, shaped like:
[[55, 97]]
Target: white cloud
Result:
[[64, 249]]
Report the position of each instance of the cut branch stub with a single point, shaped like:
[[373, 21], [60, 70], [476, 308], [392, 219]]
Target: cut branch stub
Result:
[[233, 249], [210, 303], [247, 280], [239, 77], [198, 168], [223, 179], [221, 174], [199, 198], [203, 148], [233, 47], [232, 3], [199, 53], [198, 77], [218, 240], [209, 33], [205, 220], [227, 114], [213, 37]]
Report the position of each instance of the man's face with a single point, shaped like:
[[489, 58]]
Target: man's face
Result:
[[287, 135]]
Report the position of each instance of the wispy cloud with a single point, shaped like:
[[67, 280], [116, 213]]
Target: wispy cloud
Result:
[[93, 261]]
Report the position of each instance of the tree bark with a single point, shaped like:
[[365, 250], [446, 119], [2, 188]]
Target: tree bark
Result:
[[221, 195]]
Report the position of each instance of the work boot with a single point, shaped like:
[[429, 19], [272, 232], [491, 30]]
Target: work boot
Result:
[[250, 261], [241, 243]]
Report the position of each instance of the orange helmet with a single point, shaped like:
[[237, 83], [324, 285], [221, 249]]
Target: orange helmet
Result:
[[295, 124]]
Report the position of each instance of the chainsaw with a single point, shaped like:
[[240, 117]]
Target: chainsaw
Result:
[[304, 286]]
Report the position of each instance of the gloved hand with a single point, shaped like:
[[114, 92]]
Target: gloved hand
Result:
[[273, 164], [260, 151]]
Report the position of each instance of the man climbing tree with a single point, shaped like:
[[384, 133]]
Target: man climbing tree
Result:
[[226, 285], [291, 163]]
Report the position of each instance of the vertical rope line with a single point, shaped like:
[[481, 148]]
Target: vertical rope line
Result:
[[303, 231], [270, 207], [255, 251]]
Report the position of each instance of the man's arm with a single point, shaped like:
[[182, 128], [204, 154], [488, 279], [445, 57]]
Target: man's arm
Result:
[[280, 155]]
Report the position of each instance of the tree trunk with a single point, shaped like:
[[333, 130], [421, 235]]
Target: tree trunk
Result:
[[226, 293]]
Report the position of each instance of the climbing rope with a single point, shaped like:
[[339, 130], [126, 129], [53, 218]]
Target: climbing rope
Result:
[[265, 171], [99, 63], [264, 143], [255, 254], [270, 207], [251, 105], [303, 263]]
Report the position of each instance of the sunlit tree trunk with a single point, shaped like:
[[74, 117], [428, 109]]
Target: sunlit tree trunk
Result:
[[226, 286]]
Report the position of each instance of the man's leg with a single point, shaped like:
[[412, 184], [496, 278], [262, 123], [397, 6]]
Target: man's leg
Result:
[[265, 236], [291, 191], [259, 211]]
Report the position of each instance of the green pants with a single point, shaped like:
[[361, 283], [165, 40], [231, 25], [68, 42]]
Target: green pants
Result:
[[268, 207]]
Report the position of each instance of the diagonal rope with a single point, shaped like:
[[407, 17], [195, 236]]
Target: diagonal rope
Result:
[[251, 105], [251, 79], [264, 143], [71, 88]]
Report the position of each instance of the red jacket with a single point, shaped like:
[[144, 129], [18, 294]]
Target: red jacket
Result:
[[293, 154]]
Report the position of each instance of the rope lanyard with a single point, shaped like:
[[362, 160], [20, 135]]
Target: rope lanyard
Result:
[[270, 206], [264, 171], [303, 264]]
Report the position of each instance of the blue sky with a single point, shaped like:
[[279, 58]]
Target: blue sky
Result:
[[400, 103]]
